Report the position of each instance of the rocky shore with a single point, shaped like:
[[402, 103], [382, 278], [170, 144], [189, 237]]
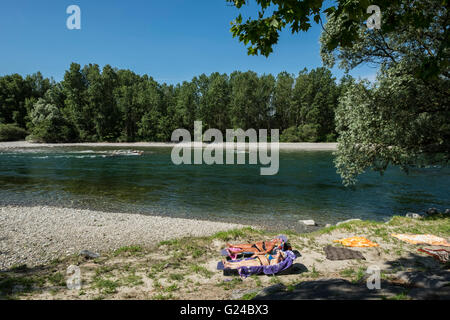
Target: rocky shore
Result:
[[37, 235]]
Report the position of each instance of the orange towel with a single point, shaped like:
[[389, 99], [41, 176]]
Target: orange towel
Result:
[[422, 238], [357, 242]]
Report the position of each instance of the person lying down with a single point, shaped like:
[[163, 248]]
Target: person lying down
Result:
[[256, 260]]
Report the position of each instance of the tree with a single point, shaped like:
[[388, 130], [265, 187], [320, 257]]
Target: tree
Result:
[[403, 118], [76, 104], [275, 15], [315, 97], [282, 100], [215, 102], [13, 93], [245, 112], [49, 125]]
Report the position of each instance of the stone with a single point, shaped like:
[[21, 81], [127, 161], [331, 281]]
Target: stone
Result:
[[447, 212], [327, 225], [346, 221], [413, 215], [89, 254], [432, 211], [308, 222]]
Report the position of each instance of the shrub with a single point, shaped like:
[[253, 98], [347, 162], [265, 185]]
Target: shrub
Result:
[[290, 135], [11, 132], [49, 125], [309, 132]]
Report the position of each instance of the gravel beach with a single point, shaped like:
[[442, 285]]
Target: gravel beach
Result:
[[37, 235], [306, 146]]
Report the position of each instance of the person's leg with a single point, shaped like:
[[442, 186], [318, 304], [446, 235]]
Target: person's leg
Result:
[[243, 263]]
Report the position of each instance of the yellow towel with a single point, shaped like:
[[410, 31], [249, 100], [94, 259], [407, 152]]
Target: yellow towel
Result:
[[357, 242]]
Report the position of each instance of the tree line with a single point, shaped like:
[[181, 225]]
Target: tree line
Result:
[[94, 104]]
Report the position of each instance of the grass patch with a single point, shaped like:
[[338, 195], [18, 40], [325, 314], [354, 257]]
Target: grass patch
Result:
[[249, 296], [57, 279], [229, 285], [105, 286], [128, 250], [354, 275], [201, 270], [235, 234], [176, 276], [132, 280]]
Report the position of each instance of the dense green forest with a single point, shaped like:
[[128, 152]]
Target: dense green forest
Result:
[[91, 104]]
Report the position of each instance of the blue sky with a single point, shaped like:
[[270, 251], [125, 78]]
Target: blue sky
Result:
[[170, 40]]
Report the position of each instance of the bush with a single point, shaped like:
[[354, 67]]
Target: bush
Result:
[[49, 125], [11, 132], [309, 133], [290, 135], [304, 133]]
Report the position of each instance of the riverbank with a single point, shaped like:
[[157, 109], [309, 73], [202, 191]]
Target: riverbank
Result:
[[37, 235], [283, 146], [143, 265]]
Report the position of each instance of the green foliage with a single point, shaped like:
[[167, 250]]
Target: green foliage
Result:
[[48, 124], [262, 33], [94, 104], [11, 132], [402, 119]]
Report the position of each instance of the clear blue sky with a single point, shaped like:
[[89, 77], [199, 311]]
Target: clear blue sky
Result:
[[170, 40]]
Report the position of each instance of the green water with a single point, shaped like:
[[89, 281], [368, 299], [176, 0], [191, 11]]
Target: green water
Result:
[[306, 187]]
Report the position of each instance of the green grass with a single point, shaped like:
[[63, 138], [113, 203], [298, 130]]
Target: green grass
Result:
[[105, 286], [229, 285], [249, 296], [128, 250], [132, 280], [57, 279], [201, 270], [161, 296], [235, 234], [176, 276], [354, 275]]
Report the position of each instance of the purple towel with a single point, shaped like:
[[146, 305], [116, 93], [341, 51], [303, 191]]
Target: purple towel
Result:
[[269, 270]]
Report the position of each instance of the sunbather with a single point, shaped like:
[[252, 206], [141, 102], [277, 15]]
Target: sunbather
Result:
[[256, 260], [260, 247]]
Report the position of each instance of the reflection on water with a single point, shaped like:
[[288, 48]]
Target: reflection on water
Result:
[[306, 186]]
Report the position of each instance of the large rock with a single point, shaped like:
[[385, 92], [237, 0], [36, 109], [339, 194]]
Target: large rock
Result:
[[432, 211], [89, 254], [413, 215], [308, 222]]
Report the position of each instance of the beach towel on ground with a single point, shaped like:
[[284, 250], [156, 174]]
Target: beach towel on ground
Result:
[[422, 238], [334, 253], [357, 242], [271, 269], [441, 255]]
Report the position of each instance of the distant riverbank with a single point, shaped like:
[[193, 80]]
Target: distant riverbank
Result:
[[283, 146]]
